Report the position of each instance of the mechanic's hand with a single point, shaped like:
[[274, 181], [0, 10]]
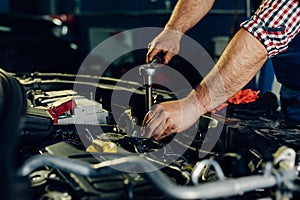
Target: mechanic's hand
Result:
[[167, 118], [166, 43]]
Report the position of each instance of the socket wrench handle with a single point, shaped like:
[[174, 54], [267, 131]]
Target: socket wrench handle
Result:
[[148, 71], [156, 60]]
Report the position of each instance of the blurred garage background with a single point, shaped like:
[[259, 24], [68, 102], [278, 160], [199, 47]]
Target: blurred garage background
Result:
[[32, 41], [91, 21]]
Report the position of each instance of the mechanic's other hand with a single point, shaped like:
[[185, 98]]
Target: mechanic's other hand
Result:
[[167, 118], [166, 43]]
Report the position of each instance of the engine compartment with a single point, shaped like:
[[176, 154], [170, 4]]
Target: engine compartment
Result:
[[98, 153]]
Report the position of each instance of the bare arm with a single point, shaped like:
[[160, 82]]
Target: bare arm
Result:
[[241, 60], [185, 15]]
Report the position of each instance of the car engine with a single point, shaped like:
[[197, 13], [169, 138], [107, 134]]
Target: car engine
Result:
[[79, 144]]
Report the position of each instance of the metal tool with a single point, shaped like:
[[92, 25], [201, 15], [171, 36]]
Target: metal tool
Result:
[[148, 71]]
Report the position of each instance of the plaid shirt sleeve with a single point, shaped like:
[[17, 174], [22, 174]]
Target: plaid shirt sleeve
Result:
[[275, 24]]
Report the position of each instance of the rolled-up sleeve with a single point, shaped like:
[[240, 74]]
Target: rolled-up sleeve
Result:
[[275, 24]]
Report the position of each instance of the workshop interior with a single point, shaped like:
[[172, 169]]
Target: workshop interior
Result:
[[71, 119]]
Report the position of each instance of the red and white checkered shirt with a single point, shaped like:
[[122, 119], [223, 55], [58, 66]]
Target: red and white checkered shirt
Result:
[[275, 24]]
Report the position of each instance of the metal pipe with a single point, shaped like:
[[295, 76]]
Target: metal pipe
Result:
[[216, 189]]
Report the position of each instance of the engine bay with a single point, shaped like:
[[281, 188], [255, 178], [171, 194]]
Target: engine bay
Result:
[[81, 145]]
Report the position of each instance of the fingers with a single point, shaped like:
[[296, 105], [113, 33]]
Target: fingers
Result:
[[154, 122], [168, 56], [167, 43], [165, 53], [157, 124], [152, 52], [164, 131]]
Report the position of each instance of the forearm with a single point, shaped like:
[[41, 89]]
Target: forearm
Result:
[[240, 61], [187, 13]]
